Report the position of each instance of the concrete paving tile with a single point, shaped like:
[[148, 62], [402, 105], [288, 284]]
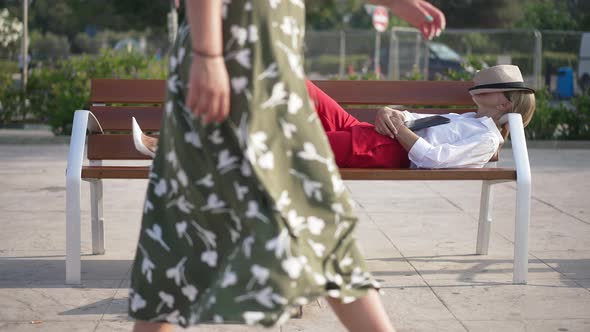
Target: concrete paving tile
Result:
[[571, 325], [572, 264], [48, 326], [449, 325], [317, 316], [544, 300], [414, 302], [584, 283], [49, 302]]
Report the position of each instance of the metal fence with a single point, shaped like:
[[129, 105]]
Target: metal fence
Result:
[[403, 54]]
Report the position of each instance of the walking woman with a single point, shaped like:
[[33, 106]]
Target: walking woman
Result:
[[245, 214]]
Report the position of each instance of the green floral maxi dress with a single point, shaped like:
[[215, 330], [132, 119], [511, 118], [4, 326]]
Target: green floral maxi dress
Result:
[[245, 219]]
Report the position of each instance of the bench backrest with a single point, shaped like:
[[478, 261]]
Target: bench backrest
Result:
[[115, 101]]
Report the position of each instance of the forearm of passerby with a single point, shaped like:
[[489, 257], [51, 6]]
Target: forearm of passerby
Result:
[[205, 23]]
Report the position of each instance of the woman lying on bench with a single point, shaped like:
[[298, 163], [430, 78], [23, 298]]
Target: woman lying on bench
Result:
[[469, 140]]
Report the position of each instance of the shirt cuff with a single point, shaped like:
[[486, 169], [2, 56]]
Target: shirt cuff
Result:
[[419, 150]]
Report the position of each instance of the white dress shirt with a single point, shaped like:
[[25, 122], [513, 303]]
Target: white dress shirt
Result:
[[466, 141]]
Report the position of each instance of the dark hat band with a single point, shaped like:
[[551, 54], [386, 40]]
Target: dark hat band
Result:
[[507, 85]]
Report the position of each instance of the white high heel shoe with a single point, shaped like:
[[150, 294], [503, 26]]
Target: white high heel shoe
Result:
[[139, 146]]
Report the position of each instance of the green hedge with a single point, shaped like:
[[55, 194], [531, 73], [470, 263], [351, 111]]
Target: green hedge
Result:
[[54, 94]]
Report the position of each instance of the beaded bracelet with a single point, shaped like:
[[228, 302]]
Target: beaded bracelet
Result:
[[205, 55]]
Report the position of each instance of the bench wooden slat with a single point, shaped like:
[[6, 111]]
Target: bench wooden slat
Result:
[[113, 147], [428, 174], [113, 118], [115, 172], [460, 174], [398, 92], [128, 91], [344, 92]]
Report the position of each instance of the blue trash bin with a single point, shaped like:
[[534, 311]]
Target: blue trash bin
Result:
[[565, 83]]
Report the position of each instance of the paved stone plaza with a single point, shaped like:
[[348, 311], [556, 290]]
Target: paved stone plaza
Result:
[[418, 237]]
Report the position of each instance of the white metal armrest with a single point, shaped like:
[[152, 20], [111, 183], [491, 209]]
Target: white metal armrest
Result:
[[523, 197]]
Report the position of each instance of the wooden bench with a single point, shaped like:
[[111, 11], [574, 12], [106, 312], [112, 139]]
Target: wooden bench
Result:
[[103, 123]]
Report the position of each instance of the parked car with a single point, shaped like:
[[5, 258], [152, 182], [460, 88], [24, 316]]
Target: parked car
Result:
[[441, 59], [584, 63]]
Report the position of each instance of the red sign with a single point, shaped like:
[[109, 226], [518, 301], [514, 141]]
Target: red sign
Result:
[[380, 18]]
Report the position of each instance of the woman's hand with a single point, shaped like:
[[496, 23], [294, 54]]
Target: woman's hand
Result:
[[208, 89], [421, 14], [387, 121]]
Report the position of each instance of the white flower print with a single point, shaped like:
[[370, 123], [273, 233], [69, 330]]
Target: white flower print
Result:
[[266, 160], [166, 299], [260, 275], [315, 225], [295, 103], [155, 233], [241, 191], [295, 221], [176, 271], [258, 141], [357, 277], [318, 248], [146, 264], [181, 228], [254, 212], [270, 72], [310, 187], [278, 96], [230, 278], [193, 139], [253, 317], [245, 168], [208, 237], [252, 32], [288, 128], [176, 59], [242, 57], [279, 244], [319, 279], [238, 84], [147, 206], [294, 60], [215, 137], [213, 203], [173, 83], [310, 153], [291, 28], [137, 302], [160, 188], [209, 257], [283, 200], [181, 175], [239, 34], [247, 246], [206, 181], [338, 184], [182, 204], [173, 188], [346, 261], [226, 162], [292, 266], [172, 159], [169, 107]]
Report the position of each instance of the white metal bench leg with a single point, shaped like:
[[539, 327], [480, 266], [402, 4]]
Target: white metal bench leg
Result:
[[485, 218], [523, 199], [73, 231], [97, 219]]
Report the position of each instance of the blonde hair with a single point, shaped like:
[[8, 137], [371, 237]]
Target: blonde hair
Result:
[[523, 102]]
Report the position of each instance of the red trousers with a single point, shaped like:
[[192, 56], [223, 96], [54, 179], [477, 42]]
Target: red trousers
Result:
[[355, 143]]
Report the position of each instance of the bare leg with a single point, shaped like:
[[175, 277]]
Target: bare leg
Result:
[[364, 314], [143, 326], [150, 142]]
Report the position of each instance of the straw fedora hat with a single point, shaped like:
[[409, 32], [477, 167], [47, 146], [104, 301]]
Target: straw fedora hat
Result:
[[497, 79]]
